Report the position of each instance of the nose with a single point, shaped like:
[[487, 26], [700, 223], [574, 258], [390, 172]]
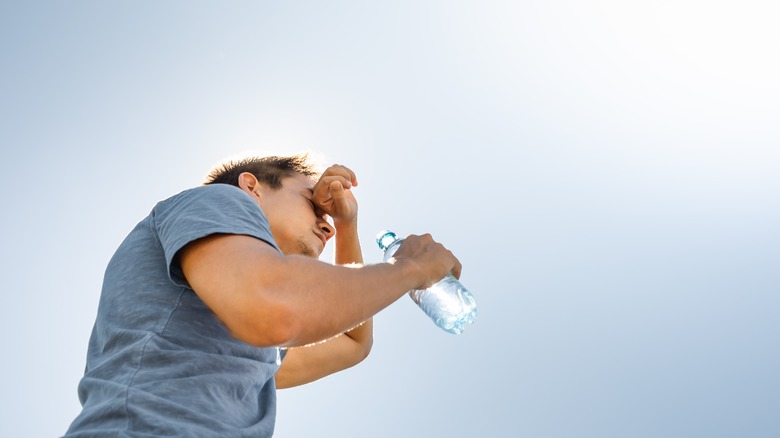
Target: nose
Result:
[[326, 228]]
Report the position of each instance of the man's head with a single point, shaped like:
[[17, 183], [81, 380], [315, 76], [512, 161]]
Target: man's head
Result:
[[282, 187]]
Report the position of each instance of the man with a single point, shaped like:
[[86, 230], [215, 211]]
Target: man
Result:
[[217, 298]]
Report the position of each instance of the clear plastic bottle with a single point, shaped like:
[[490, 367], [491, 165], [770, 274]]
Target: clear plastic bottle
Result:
[[450, 305]]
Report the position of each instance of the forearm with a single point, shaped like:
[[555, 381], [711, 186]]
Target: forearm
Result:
[[348, 251], [315, 301], [306, 364]]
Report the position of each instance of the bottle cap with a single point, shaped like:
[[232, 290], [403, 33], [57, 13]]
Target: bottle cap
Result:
[[385, 238]]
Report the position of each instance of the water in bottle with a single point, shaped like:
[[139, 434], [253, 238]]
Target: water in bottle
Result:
[[450, 305]]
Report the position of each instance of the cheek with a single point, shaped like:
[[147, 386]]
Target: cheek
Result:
[[292, 227]]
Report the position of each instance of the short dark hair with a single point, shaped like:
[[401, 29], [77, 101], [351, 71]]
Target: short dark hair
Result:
[[268, 170]]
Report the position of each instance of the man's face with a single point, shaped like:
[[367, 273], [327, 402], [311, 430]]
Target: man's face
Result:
[[297, 226]]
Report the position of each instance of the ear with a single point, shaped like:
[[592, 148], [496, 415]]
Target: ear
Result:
[[249, 183]]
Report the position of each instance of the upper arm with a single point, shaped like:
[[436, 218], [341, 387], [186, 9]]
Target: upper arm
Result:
[[233, 275]]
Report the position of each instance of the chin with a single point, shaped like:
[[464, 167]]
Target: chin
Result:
[[306, 249]]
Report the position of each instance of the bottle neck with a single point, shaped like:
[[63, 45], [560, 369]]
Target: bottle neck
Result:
[[392, 248]]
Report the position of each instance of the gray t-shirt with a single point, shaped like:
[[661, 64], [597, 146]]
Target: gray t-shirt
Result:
[[159, 361]]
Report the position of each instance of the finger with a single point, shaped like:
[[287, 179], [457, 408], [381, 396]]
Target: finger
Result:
[[322, 191], [320, 194], [326, 181], [344, 171], [352, 177], [457, 269]]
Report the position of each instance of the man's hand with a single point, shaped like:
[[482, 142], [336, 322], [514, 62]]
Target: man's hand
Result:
[[432, 259], [332, 194]]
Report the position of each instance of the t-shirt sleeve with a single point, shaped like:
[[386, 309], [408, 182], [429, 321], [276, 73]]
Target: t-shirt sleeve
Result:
[[202, 211]]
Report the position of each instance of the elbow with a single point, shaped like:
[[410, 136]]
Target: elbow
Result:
[[360, 354], [362, 338], [366, 350], [363, 350]]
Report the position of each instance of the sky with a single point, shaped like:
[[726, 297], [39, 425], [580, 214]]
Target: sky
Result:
[[608, 173]]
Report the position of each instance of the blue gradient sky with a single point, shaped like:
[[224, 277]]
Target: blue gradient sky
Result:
[[608, 172]]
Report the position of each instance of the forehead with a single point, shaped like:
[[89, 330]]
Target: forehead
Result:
[[297, 183]]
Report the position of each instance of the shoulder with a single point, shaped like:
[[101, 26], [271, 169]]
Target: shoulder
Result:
[[216, 208], [204, 211], [213, 198], [213, 192]]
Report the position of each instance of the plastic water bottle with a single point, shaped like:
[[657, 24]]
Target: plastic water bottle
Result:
[[450, 305]]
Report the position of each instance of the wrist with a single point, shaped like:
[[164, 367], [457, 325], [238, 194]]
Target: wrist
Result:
[[410, 271], [348, 249], [348, 226], [345, 223]]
